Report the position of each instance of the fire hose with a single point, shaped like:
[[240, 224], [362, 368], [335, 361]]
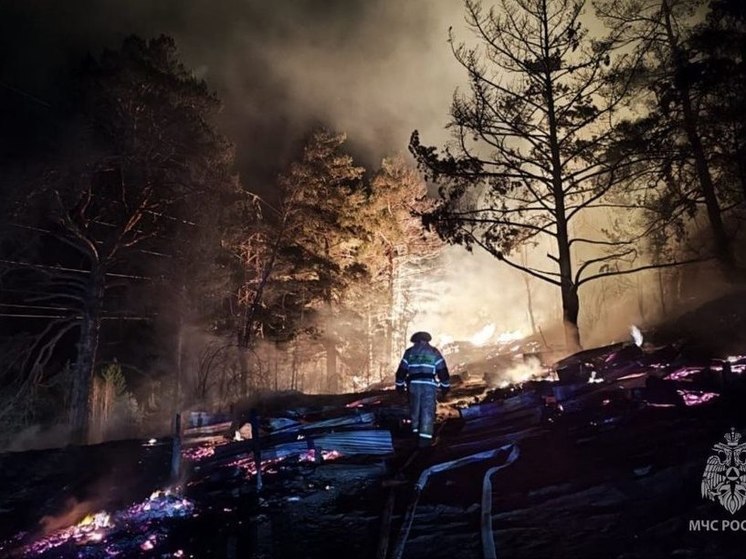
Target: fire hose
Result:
[[488, 540], [437, 468]]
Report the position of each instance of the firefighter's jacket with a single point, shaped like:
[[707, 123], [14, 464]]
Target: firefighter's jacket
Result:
[[423, 364]]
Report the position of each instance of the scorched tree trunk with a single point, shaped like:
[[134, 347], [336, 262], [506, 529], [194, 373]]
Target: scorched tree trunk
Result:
[[82, 382]]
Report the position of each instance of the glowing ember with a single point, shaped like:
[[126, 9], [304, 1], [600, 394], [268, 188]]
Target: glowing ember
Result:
[[160, 505], [370, 401], [98, 520], [148, 544], [326, 455], [654, 405], [684, 372], [736, 362], [92, 529], [523, 372], [249, 466], [99, 527], [735, 358], [697, 397], [197, 453]]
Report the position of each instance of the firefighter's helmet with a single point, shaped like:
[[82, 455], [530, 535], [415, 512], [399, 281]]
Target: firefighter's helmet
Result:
[[420, 337]]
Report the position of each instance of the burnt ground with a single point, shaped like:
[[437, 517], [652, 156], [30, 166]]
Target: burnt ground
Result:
[[626, 490], [76, 479], [615, 473]]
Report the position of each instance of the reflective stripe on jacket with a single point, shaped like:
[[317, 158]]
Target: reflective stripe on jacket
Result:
[[423, 364]]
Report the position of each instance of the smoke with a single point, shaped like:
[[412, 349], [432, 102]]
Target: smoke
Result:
[[376, 69], [476, 290], [72, 513], [521, 372], [36, 437]]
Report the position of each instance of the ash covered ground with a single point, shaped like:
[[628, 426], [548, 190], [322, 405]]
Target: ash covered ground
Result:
[[601, 454]]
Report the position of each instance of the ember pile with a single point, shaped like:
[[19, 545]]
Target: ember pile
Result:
[[293, 455], [127, 533]]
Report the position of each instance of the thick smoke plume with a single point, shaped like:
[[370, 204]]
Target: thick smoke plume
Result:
[[375, 69]]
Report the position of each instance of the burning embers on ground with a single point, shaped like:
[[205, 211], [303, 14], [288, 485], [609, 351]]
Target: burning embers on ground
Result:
[[140, 530], [248, 465], [197, 453], [125, 533], [622, 375]]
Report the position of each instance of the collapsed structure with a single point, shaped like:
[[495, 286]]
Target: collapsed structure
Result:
[[548, 466]]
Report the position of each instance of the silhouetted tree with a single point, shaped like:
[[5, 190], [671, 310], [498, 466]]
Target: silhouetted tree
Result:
[[139, 160], [531, 145], [677, 106], [719, 47]]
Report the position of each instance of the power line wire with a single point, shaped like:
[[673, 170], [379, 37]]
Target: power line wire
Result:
[[18, 315], [66, 269]]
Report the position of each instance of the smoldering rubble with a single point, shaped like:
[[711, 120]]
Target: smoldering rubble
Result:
[[601, 453]]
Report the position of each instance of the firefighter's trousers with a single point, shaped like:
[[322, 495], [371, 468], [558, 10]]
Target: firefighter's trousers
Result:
[[422, 402]]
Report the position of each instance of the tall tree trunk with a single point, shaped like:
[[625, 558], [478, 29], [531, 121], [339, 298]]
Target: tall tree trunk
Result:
[[330, 338], [389, 340], [570, 301], [243, 370], [740, 156], [530, 302], [83, 370], [294, 368], [330, 346], [368, 347], [247, 329], [570, 312], [179, 352]]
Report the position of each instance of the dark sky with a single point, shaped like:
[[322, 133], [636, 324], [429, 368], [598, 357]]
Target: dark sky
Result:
[[375, 69]]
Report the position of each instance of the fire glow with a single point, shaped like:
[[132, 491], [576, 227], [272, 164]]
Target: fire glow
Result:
[[326, 455], [98, 528], [197, 453], [684, 372], [483, 336], [487, 334], [696, 397], [248, 465]]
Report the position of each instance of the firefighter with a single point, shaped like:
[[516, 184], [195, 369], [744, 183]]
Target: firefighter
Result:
[[422, 371]]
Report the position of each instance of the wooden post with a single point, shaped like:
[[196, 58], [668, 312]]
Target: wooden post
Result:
[[254, 418], [176, 450]]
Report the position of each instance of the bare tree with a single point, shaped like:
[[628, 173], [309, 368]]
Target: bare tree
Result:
[[532, 150], [139, 156]]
